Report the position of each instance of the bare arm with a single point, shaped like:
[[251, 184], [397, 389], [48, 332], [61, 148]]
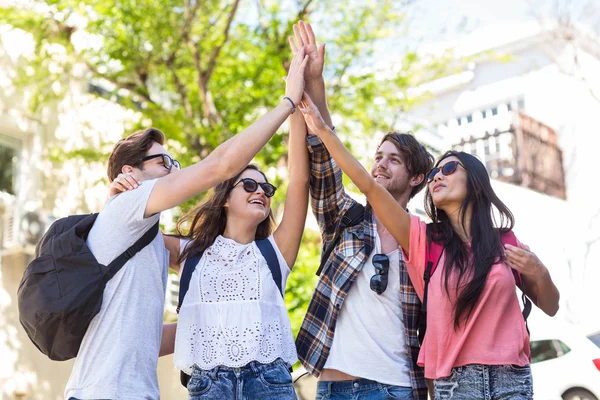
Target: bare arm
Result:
[[313, 74], [230, 157], [539, 286], [289, 233], [172, 243], [392, 215], [167, 343]]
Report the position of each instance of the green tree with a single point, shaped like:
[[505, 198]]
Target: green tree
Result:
[[201, 71]]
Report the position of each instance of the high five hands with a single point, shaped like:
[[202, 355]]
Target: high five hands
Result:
[[305, 37]]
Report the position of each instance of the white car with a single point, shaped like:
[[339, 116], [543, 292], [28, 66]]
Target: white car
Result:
[[565, 364]]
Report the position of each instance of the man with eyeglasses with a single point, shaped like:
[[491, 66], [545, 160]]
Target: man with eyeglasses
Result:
[[119, 353], [359, 335]]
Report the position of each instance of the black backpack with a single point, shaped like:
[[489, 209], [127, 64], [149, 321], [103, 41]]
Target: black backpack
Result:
[[61, 290], [353, 216], [267, 251]]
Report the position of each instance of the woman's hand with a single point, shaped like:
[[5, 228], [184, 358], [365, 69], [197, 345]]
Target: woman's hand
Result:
[[312, 116], [524, 261], [294, 83], [538, 284], [122, 183]]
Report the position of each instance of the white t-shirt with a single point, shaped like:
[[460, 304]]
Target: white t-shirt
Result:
[[233, 313], [119, 353], [368, 341]]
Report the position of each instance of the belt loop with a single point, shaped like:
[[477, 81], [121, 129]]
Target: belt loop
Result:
[[254, 368], [329, 389], [212, 373]]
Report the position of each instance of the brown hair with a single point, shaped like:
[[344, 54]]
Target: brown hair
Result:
[[416, 157], [208, 219], [130, 150]]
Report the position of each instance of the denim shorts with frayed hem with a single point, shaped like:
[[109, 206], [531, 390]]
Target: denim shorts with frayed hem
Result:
[[486, 382], [271, 381]]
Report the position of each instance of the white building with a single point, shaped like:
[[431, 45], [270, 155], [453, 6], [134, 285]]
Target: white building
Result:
[[549, 92]]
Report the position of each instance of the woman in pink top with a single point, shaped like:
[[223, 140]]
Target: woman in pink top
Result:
[[476, 345]]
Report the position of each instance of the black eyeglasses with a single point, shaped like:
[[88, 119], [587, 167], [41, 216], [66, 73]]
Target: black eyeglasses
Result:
[[379, 281], [168, 162], [447, 169], [250, 186]]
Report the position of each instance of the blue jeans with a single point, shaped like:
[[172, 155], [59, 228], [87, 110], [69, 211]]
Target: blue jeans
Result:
[[486, 382], [253, 381], [361, 389]]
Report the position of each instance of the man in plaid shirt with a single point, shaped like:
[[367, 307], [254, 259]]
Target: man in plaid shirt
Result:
[[359, 335]]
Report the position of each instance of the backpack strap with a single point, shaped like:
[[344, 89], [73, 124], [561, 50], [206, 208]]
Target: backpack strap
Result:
[[510, 238], [268, 252], [353, 216], [116, 265], [433, 254], [186, 276]]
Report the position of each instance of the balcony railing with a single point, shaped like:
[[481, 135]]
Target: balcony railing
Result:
[[527, 154]]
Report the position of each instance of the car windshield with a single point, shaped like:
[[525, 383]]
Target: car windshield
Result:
[[595, 337]]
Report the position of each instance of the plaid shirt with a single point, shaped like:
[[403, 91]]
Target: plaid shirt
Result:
[[329, 202]]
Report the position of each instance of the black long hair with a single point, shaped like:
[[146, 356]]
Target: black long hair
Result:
[[471, 267]]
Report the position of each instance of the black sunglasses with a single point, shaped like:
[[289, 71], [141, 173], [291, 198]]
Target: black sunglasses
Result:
[[379, 281], [168, 162], [250, 186], [447, 169]]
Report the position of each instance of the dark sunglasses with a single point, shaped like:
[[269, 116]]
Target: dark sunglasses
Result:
[[379, 281], [168, 162], [447, 169], [250, 186]]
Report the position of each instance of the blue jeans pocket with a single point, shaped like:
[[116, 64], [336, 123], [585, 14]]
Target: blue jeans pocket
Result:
[[398, 392], [199, 384], [276, 377]]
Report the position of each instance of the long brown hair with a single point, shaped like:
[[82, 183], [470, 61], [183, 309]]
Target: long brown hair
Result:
[[208, 219]]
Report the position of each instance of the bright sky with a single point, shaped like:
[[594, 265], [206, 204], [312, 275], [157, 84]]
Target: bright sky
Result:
[[444, 20]]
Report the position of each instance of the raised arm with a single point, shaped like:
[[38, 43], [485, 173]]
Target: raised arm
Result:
[[313, 75], [233, 155], [288, 234], [392, 215]]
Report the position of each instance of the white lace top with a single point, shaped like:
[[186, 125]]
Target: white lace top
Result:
[[233, 312]]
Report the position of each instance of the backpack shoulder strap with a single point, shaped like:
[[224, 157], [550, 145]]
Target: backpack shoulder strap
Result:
[[510, 238], [268, 252], [433, 254], [353, 216], [128, 254], [186, 276]]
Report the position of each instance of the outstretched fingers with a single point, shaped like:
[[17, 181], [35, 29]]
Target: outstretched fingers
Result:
[[310, 33], [307, 38], [293, 44], [298, 36]]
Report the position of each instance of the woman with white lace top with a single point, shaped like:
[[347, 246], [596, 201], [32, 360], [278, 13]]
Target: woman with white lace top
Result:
[[233, 335]]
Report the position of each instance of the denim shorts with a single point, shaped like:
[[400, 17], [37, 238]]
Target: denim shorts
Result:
[[361, 389], [486, 382], [271, 381]]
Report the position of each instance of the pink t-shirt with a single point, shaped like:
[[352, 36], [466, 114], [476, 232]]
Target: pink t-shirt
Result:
[[495, 333]]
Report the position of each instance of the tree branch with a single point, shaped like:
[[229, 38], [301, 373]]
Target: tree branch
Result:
[[130, 86], [217, 50]]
